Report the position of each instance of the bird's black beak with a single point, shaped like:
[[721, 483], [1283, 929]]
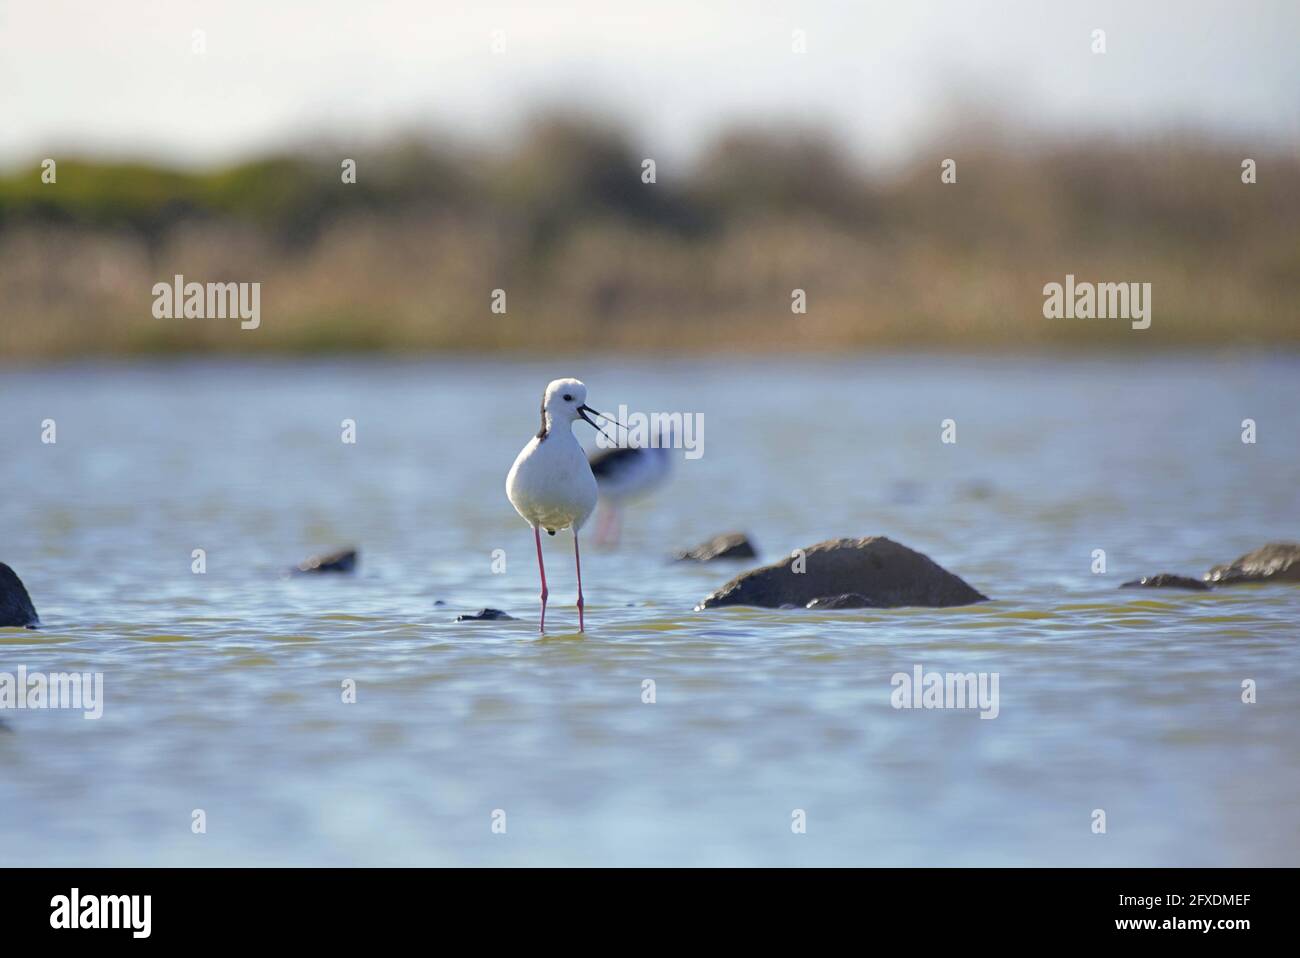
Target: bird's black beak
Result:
[[582, 413]]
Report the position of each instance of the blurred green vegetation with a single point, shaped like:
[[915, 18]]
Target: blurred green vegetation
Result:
[[590, 256]]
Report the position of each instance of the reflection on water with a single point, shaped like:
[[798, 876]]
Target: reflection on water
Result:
[[223, 690]]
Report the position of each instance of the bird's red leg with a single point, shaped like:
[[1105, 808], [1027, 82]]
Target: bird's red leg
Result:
[[537, 534], [577, 560]]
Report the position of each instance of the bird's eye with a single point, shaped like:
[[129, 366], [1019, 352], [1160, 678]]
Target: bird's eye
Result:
[[568, 398]]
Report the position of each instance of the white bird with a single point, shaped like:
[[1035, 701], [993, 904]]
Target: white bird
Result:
[[551, 484], [626, 474]]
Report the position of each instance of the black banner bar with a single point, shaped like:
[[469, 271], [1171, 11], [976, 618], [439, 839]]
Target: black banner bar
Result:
[[1224, 907]]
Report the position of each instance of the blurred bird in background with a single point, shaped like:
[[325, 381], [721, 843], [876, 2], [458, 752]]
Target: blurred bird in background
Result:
[[625, 475]]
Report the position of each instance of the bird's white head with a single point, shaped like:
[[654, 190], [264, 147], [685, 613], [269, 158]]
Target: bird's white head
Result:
[[565, 401]]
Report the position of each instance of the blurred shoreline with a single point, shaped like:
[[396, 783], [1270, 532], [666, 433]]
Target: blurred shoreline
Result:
[[405, 261]]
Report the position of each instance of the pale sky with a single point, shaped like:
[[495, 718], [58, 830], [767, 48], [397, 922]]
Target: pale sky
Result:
[[119, 76]]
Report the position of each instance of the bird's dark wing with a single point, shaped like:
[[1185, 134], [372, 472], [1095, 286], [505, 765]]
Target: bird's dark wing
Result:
[[608, 463]]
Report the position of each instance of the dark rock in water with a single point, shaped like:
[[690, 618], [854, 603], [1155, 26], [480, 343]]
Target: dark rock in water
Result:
[[880, 570], [486, 615], [850, 600], [730, 545], [16, 607], [345, 560], [1275, 562], [1166, 580]]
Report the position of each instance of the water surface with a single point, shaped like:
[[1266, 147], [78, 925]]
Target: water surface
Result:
[[223, 689]]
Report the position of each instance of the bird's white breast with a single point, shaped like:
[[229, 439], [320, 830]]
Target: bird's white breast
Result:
[[551, 484]]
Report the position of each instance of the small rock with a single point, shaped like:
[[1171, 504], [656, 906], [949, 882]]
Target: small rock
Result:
[[1166, 580], [485, 615], [16, 607], [1275, 562], [886, 573], [730, 545], [345, 560], [850, 600]]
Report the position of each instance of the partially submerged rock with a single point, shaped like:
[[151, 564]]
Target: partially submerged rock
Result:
[[1166, 580], [16, 607], [345, 560], [485, 615], [729, 545], [850, 600], [1275, 562], [880, 570]]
